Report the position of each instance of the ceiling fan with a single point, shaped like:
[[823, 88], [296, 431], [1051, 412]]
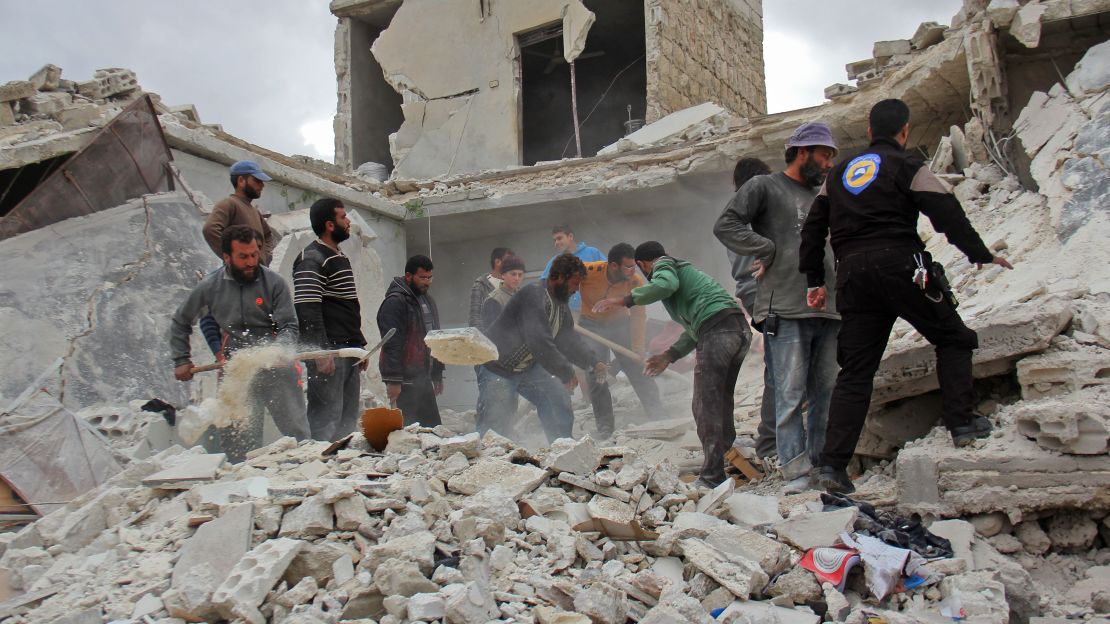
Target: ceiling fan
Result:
[[555, 58]]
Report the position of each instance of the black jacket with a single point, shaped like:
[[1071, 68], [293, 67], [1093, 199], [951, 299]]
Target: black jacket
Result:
[[872, 200], [524, 328], [405, 357]]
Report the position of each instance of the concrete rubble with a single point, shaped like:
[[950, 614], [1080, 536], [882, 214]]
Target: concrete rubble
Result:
[[449, 526]]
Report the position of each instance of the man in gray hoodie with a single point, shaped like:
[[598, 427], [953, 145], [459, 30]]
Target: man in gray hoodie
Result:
[[764, 220], [253, 307]]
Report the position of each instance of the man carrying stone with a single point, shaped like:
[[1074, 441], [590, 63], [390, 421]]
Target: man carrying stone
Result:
[[715, 326], [326, 300], [565, 243], [869, 206], [486, 284], [763, 221], [413, 378], [627, 327], [254, 307], [537, 343]]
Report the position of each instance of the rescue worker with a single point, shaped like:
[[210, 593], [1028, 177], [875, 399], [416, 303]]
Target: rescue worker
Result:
[[870, 205]]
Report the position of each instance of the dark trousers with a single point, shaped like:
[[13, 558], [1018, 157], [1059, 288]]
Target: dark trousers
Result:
[[721, 350], [417, 402], [601, 399], [273, 390], [333, 400], [873, 290]]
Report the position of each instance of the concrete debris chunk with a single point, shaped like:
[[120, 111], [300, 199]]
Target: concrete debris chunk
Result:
[[464, 346], [471, 603], [689, 124], [206, 560], [602, 603], [16, 90], [311, 518], [927, 34], [1078, 424], [752, 510], [813, 530], [192, 469], [716, 496], [426, 607], [515, 480], [736, 573], [1059, 371], [240, 595], [580, 457], [398, 577]]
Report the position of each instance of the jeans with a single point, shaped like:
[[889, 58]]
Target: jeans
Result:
[[417, 402], [765, 432], [873, 289], [497, 395], [276, 390], [333, 400], [721, 350], [620, 332], [803, 354]]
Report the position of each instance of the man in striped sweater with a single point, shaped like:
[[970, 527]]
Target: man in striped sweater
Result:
[[328, 311]]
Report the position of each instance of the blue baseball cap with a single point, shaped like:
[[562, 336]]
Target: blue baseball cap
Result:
[[812, 133], [251, 168]]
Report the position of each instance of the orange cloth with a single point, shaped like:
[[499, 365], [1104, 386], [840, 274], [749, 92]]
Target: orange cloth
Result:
[[596, 287]]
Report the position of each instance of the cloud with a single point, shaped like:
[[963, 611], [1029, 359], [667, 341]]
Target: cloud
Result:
[[318, 135]]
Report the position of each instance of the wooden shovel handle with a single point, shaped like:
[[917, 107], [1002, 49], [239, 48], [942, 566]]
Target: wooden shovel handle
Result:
[[207, 367]]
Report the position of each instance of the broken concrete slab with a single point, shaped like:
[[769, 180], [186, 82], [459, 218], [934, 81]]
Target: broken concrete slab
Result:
[[206, 559], [223, 492], [1065, 369], [192, 469], [752, 510], [580, 457], [688, 124], [400, 577], [466, 346], [350, 513], [252, 578], [908, 369], [813, 530], [1078, 423], [661, 429], [927, 34], [772, 556], [471, 603], [417, 547], [16, 90], [1091, 74], [426, 607], [1026, 25], [311, 518], [736, 573], [515, 480], [602, 603], [716, 496]]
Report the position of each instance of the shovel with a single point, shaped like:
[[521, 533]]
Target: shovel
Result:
[[345, 352]]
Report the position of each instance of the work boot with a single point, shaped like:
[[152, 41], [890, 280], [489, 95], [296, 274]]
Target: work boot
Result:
[[979, 427], [796, 486], [708, 482], [833, 480]]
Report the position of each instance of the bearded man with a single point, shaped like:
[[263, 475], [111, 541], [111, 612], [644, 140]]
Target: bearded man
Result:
[[764, 220], [326, 300], [538, 349], [253, 307]]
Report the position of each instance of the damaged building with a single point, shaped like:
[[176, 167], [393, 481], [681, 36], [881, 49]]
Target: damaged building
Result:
[[475, 132]]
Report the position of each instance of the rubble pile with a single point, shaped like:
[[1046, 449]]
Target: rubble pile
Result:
[[458, 528]]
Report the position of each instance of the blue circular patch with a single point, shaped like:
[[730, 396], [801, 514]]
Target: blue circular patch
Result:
[[861, 172]]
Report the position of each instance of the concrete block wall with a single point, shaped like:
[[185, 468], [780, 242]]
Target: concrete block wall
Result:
[[705, 50]]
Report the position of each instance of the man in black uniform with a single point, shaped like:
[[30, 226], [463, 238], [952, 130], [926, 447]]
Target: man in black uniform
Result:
[[870, 204]]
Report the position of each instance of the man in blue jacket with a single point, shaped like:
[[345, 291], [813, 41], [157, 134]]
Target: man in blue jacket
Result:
[[565, 243]]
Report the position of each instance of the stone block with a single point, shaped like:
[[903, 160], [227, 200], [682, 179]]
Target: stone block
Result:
[[47, 78], [469, 446], [7, 115], [738, 574], [839, 89], [187, 472], [464, 346], [317, 560], [79, 115], [772, 556], [1092, 73], [350, 512], [1078, 424], [1002, 12], [205, 561], [813, 530], [927, 34], [855, 68], [1063, 371], [108, 82], [16, 90], [426, 607], [1072, 531], [1032, 537], [471, 603], [47, 103], [398, 577], [883, 49], [799, 585], [757, 611], [252, 578], [710, 501], [580, 457], [311, 518], [1008, 472], [417, 547], [299, 594], [515, 480], [1026, 25], [602, 603]]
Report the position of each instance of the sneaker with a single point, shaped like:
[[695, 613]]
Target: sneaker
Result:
[[796, 486], [833, 480], [979, 427]]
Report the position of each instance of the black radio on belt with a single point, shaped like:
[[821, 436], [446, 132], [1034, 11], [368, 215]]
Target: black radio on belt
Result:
[[771, 323]]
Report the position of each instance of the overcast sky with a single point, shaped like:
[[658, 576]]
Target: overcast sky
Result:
[[264, 68]]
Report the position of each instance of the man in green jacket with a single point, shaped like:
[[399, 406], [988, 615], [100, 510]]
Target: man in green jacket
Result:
[[714, 326]]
